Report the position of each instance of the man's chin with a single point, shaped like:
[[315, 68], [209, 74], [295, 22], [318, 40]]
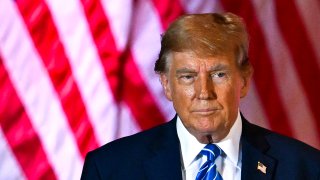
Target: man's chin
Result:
[[216, 131], [206, 135]]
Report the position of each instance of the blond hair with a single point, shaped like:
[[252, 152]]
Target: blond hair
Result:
[[206, 35]]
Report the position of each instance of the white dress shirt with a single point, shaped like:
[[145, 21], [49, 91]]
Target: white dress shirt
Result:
[[228, 164]]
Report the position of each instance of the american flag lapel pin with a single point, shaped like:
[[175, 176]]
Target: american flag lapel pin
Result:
[[261, 167]]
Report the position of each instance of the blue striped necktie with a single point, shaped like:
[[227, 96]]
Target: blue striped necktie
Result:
[[208, 170]]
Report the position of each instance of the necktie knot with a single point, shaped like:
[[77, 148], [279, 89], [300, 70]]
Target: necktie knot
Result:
[[211, 151], [208, 171]]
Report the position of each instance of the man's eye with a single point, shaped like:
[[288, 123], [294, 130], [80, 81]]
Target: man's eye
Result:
[[219, 75], [187, 77]]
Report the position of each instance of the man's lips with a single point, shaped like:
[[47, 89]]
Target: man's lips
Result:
[[205, 111]]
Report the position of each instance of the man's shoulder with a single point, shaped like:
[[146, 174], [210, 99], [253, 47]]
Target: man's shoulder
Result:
[[282, 146], [286, 146], [134, 144], [285, 157], [128, 156], [124, 157]]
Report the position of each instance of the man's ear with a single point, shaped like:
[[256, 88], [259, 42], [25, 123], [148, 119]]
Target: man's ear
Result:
[[165, 85], [246, 78]]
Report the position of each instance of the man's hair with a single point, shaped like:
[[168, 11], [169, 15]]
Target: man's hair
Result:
[[206, 35]]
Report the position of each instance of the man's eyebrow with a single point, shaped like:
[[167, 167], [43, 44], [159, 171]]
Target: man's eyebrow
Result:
[[185, 70], [219, 67]]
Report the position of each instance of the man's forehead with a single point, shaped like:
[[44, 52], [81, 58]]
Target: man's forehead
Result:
[[186, 60], [192, 56], [196, 68]]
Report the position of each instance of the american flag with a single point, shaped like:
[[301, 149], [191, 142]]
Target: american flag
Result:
[[75, 75]]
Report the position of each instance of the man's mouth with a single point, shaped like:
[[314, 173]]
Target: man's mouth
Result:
[[206, 111]]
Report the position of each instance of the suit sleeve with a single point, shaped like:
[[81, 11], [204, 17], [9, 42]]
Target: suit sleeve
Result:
[[90, 170]]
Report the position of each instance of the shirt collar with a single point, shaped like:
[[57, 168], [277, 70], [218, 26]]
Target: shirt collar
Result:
[[231, 143], [190, 146]]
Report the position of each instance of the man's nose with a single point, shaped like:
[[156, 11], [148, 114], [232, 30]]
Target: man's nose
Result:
[[205, 88]]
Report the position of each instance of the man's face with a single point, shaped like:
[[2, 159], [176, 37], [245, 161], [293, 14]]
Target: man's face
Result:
[[205, 92]]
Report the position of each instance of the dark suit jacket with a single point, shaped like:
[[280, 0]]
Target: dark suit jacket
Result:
[[155, 154]]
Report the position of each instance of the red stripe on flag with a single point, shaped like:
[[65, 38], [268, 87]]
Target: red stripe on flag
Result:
[[41, 27], [19, 132], [124, 78], [168, 11], [260, 58], [137, 96], [304, 58]]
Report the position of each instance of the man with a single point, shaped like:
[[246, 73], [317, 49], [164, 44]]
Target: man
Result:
[[204, 70]]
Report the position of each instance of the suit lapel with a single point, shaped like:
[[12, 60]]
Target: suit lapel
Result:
[[164, 162], [256, 164]]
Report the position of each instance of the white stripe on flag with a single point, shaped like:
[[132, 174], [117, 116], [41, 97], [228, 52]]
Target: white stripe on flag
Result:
[[252, 109], [40, 100], [8, 161], [309, 11], [120, 15], [86, 67], [292, 94], [204, 6], [126, 124], [145, 49]]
